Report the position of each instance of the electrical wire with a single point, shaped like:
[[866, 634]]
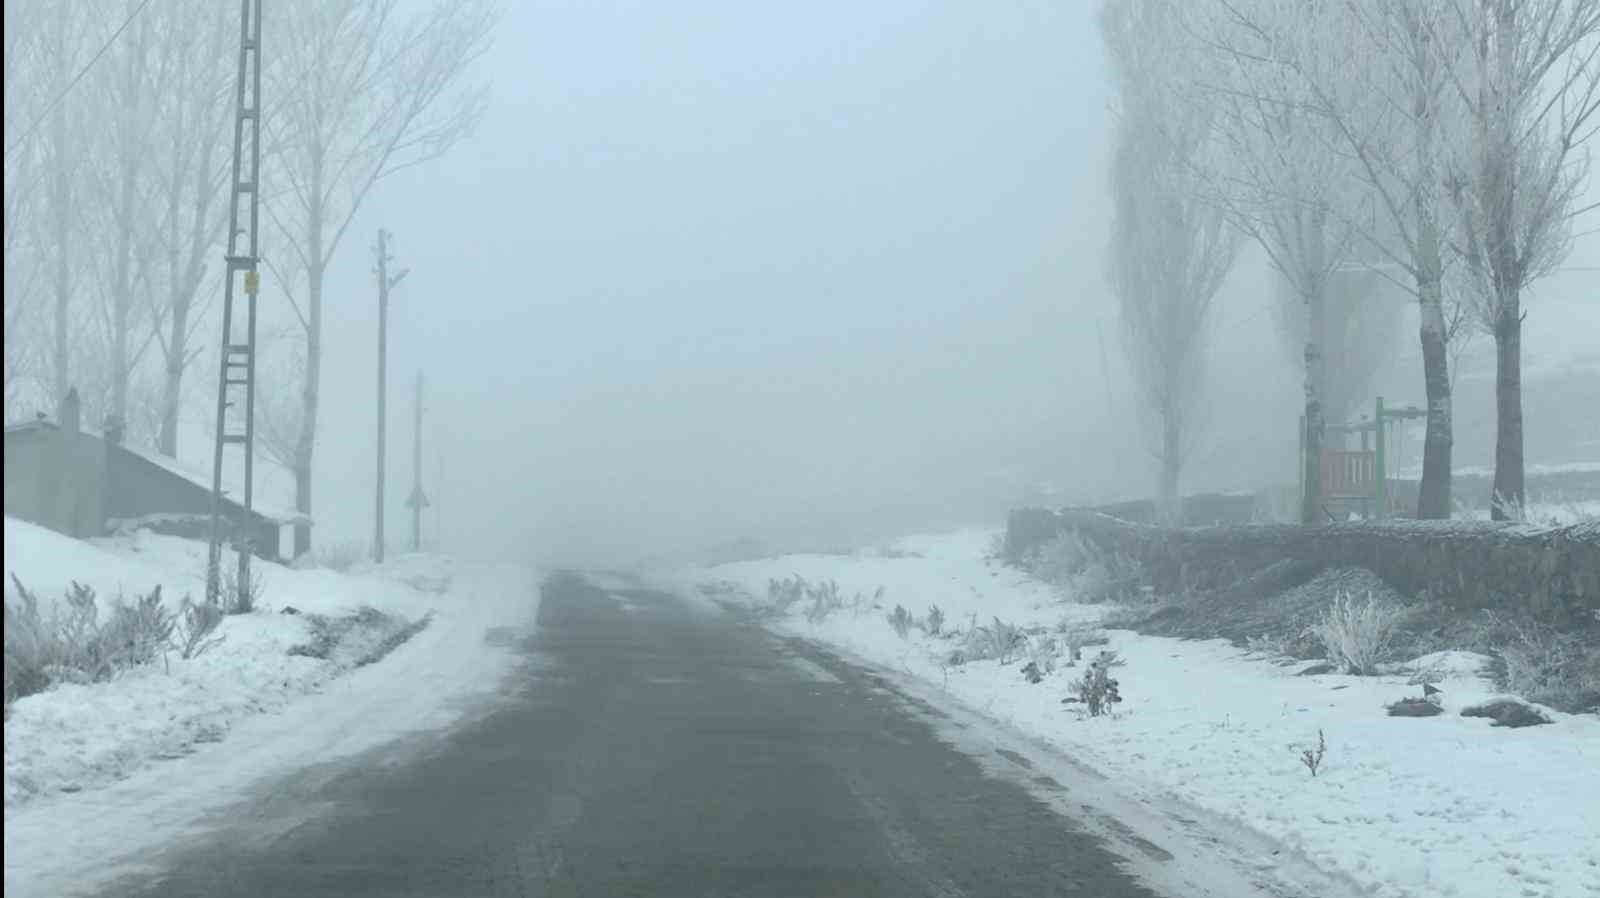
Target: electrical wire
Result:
[[50, 107]]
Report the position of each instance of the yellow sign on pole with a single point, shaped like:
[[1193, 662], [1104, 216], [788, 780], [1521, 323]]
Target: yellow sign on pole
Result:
[[252, 282]]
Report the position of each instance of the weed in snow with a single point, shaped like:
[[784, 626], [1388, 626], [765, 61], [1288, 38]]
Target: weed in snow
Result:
[[1098, 690], [900, 621], [1312, 757]]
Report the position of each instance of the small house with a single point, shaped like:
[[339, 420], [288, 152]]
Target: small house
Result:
[[82, 484]]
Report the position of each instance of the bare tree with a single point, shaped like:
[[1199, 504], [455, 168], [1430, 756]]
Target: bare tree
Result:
[[1275, 175], [24, 59], [1376, 70], [58, 143], [1530, 85], [366, 93], [190, 169], [1360, 334], [1170, 250], [125, 84]]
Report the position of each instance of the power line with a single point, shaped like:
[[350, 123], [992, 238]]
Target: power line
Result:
[[50, 107]]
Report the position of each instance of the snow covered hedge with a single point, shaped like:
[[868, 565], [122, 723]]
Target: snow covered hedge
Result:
[[1550, 574]]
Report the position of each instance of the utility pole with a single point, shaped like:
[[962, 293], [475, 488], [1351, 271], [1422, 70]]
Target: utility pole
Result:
[[238, 365], [417, 501], [386, 282]]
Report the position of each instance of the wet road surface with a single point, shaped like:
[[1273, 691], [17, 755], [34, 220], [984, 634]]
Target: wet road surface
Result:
[[654, 747]]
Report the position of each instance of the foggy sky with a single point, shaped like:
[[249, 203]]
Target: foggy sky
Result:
[[808, 272]]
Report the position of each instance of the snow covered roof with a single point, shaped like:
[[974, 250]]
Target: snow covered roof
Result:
[[277, 515], [282, 516]]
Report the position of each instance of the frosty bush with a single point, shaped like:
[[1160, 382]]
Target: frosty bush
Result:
[[1043, 651], [73, 645], [999, 641], [997, 547], [1357, 634], [195, 626], [1084, 572], [1558, 669], [237, 597], [933, 624], [137, 633], [900, 620], [1077, 637], [825, 599], [31, 646], [1098, 690], [785, 594]]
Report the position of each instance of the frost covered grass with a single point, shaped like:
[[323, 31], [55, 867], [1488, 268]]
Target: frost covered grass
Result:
[[1443, 806]]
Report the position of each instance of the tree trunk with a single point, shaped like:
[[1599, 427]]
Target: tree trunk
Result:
[[1433, 500], [1509, 488], [123, 216], [1169, 510], [171, 395], [61, 214], [306, 440], [122, 292], [1311, 499]]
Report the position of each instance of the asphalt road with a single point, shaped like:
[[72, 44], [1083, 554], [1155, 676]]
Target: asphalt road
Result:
[[655, 748]]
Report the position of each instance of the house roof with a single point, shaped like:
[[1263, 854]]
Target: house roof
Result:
[[175, 468], [178, 469]]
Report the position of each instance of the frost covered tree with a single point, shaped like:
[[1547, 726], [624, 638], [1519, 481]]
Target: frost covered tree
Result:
[[1273, 171], [1170, 250], [1361, 333], [190, 166], [1377, 71], [1529, 82], [24, 177], [120, 95], [365, 91]]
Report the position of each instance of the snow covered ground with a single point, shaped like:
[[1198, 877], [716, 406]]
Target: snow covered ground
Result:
[[1409, 807], [98, 775], [1545, 513]]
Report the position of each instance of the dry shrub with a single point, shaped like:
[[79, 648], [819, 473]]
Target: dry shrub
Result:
[[1357, 633], [74, 645], [1082, 571], [1098, 690], [900, 621], [1553, 668]]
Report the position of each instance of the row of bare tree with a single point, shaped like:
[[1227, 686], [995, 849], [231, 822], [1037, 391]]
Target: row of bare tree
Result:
[[1436, 144], [118, 121]]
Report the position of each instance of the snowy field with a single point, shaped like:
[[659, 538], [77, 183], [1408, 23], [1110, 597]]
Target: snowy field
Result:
[[1549, 514], [99, 774], [1408, 807]]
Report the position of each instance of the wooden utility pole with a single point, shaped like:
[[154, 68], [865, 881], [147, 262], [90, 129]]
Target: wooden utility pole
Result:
[[386, 282], [417, 501]]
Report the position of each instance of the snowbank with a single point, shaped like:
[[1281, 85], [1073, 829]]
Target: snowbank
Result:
[[98, 774], [1410, 807]]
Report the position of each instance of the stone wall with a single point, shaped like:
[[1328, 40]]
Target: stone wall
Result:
[[1552, 574]]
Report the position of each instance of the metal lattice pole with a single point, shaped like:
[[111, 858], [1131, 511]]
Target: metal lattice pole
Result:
[[236, 381]]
